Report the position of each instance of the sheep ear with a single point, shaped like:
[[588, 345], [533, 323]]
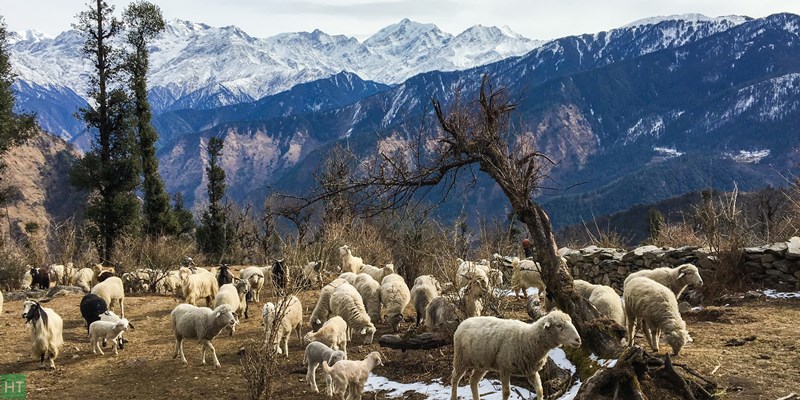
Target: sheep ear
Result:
[[547, 325], [364, 331], [317, 321], [681, 275]]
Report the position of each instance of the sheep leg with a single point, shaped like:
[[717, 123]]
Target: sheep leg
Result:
[[97, 347], [329, 385], [476, 377], [207, 344], [631, 329], [179, 349], [122, 307], [311, 377], [536, 381], [115, 342], [454, 380], [285, 341], [505, 380], [344, 349]]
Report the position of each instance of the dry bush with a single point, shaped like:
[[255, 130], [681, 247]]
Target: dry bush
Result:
[[677, 235], [13, 264]]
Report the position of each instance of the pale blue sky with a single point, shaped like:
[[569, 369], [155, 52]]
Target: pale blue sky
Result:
[[539, 19]]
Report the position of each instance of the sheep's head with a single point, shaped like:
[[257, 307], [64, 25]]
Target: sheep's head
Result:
[[388, 269], [184, 273], [394, 322], [316, 324], [32, 311], [688, 274], [122, 325], [376, 357], [344, 251], [243, 286], [560, 326], [366, 334], [224, 315], [676, 339], [337, 356], [309, 337]]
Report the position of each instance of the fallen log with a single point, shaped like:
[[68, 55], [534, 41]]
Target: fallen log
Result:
[[424, 341]]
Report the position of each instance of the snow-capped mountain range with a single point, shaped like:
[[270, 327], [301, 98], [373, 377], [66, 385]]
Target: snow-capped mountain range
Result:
[[194, 65]]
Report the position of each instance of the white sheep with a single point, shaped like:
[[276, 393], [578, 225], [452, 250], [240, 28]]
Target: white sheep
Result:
[[322, 310], [583, 288], [347, 303], [426, 288], [455, 306], [291, 312], [395, 296], [198, 286], [350, 263], [657, 307], [27, 279], [315, 354], [370, 291], [201, 323], [349, 377], [676, 279], [469, 271], [333, 333], [111, 290], [526, 274], [170, 284], [378, 273], [350, 277], [85, 278], [57, 273], [46, 332], [606, 300], [509, 347], [312, 272], [256, 277], [100, 331], [228, 294]]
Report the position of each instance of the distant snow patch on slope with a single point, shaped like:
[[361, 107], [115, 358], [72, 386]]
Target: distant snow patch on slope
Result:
[[748, 157]]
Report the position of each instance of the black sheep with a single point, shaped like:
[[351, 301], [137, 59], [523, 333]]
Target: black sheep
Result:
[[91, 308], [224, 276], [40, 277], [279, 274], [104, 275]]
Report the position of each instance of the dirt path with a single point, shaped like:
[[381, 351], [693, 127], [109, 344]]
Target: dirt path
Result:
[[765, 368]]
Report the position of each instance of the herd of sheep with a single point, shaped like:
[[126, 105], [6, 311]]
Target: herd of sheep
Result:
[[349, 307]]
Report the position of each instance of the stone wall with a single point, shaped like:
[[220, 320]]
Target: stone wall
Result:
[[775, 266]]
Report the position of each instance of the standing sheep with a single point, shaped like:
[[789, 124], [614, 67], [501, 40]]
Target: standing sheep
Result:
[[291, 312], [100, 331], [350, 277], [255, 276], [40, 277], [91, 307], [57, 273], [657, 307], [378, 273], [26, 282], [198, 286], [201, 323], [509, 347], [224, 276], [349, 377], [312, 273], [347, 303], [315, 354], [370, 291], [84, 278], [526, 274], [426, 288], [606, 300], [583, 288], [333, 334], [350, 263], [676, 279], [229, 294], [395, 296], [46, 332], [323, 308], [110, 290]]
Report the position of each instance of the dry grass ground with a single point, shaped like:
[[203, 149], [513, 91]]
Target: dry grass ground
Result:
[[765, 368]]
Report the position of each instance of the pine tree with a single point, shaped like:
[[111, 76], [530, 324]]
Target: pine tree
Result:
[[144, 22], [110, 170], [15, 129], [183, 217], [655, 221], [212, 233]]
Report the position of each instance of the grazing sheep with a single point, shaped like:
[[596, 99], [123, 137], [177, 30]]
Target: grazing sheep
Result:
[[606, 300], [57, 273], [201, 323], [349, 377], [378, 273], [198, 286], [426, 288], [315, 354], [469, 271], [509, 347], [526, 274], [347, 303], [104, 275], [455, 307], [224, 276], [323, 308], [676, 279], [100, 331], [350, 263], [312, 273], [46, 332], [395, 296], [84, 278], [40, 277], [229, 295], [110, 290], [370, 291], [291, 320], [333, 333], [657, 307], [255, 276], [170, 284], [583, 288], [91, 307], [350, 277], [109, 316]]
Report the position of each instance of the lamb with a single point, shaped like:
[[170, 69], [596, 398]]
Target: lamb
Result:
[[657, 307], [606, 300], [509, 347], [426, 288], [350, 277], [315, 354], [323, 308], [347, 303], [204, 324], [91, 307], [109, 316], [46, 332], [103, 330], [395, 296], [526, 274], [291, 320], [370, 291], [333, 334], [110, 290], [378, 273], [198, 286], [230, 295], [350, 263], [255, 276], [676, 279], [224, 276], [348, 377]]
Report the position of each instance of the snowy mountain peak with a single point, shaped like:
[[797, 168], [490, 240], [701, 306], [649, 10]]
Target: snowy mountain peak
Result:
[[509, 32], [402, 33], [733, 19], [30, 35]]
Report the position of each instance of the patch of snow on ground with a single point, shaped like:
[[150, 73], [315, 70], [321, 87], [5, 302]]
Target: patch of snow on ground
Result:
[[506, 292], [607, 363], [749, 157], [774, 294], [668, 152]]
